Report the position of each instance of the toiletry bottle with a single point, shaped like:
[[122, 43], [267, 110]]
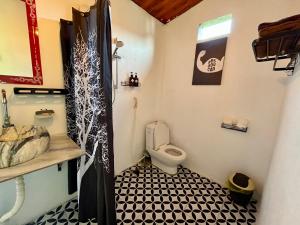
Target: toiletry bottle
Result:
[[131, 79], [136, 80]]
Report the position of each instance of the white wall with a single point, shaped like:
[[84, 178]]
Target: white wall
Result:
[[280, 203], [17, 62], [48, 188], [142, 54], [249, 90], [163, 56]]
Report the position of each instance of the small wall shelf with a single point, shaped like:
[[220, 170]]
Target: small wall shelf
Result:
[[234, 127], [126, 84], [284, 45], [39, 91]]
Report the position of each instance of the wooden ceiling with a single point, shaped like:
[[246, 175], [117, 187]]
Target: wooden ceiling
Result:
[[166, 10]]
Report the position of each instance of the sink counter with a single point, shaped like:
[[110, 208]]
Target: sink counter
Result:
[[62, 149]]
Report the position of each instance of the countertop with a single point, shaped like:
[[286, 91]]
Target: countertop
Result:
[[61, 149]]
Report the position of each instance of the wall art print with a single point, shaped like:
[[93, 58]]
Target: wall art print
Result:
[[209, 62]]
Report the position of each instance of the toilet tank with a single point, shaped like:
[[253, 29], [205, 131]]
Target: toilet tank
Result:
[[157, 134]]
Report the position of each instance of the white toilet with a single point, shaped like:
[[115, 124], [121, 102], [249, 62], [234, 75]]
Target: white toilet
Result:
[[163, 155]]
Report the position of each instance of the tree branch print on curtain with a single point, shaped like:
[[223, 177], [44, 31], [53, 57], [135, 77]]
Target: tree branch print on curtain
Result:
[[90, 103], [86, 48]]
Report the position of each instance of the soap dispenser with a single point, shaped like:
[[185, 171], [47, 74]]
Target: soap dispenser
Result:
[[131, 79], [136, 80]]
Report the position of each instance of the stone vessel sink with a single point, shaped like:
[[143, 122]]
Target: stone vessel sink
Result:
[[21, 144]]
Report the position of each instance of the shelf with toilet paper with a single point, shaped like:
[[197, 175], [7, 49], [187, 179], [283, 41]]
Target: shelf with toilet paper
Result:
[[240, 125]]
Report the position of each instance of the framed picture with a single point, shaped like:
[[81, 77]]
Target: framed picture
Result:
[[209, 62]]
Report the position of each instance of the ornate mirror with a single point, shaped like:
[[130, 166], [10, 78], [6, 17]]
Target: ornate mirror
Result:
[[20, 61]]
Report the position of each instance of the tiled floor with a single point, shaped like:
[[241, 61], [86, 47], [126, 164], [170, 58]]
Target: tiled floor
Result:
[[155, 198], [66, 214]]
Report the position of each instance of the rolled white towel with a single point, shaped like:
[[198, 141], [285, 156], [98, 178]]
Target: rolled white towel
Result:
[[242, 123], [227, 120]]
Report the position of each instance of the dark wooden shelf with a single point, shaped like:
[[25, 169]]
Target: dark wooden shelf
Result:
[[126, 84], [285, 45], [39, 91]]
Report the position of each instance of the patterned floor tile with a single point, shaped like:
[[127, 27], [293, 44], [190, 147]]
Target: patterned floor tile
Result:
[[152, 197], [236, 214]]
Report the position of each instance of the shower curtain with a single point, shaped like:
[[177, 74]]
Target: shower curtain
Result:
[[86, 51]]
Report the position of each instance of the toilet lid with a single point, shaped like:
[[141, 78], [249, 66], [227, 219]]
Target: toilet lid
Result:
[[161, 135], [173, 152]]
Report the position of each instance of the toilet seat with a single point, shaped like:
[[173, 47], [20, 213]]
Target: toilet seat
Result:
[[173, 152], [163, 155], [165, 161], [168, 150]]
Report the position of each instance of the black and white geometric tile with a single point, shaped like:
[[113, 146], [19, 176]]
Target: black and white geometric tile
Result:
[[152, 197], [63, 215]]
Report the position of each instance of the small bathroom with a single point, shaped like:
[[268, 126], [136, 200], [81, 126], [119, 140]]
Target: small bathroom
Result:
[[149, 112]]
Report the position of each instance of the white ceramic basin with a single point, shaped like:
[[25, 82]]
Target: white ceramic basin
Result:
[[21, 144]]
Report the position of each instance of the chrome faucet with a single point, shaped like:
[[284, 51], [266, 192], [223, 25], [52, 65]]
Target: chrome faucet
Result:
[[6, 118]]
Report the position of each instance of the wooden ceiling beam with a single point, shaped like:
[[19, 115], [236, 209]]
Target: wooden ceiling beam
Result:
[[172, 14], [166, 10]]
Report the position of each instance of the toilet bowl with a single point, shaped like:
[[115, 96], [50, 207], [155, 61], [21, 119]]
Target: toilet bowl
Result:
[[163, 155]]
